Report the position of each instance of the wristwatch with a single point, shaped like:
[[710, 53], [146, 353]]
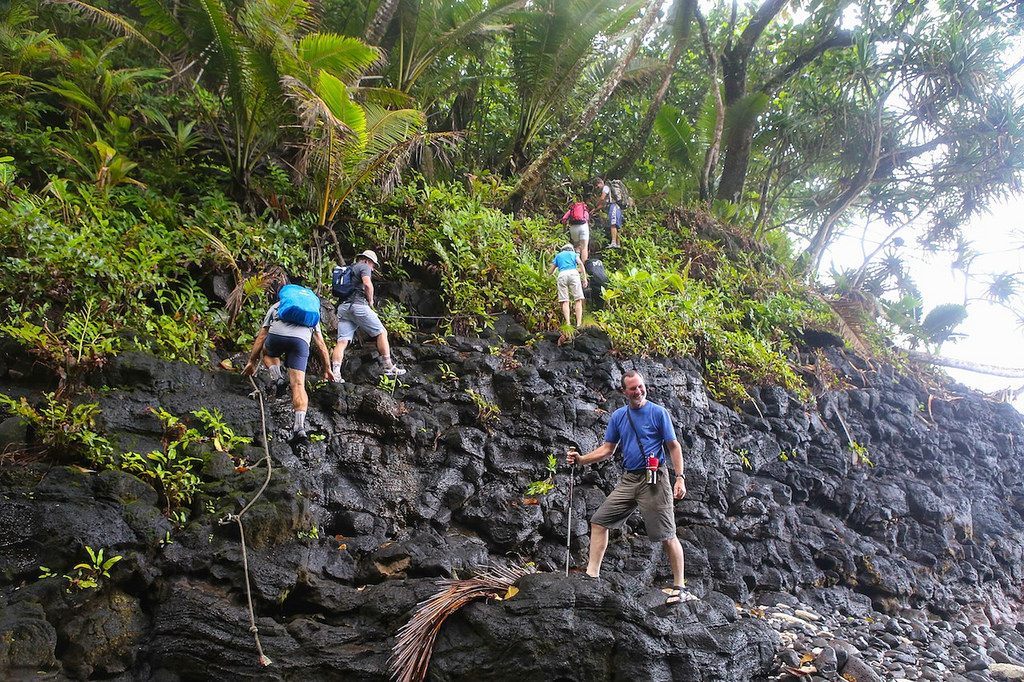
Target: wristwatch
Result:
[[680, 476]]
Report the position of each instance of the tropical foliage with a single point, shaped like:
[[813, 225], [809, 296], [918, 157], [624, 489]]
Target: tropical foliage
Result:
[[162, 161]]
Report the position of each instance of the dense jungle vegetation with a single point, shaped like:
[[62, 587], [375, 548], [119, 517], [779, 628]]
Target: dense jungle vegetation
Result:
[[160, 160]]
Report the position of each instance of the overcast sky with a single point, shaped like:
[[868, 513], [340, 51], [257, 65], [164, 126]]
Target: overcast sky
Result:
[[993, 335]]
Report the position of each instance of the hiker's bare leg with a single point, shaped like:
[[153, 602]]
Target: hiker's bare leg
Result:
[[598, 545], [297, 380], [674, 550], [579, 312], [565, 311], [339, 351], [584, 250], [615, 235], [383, 347]]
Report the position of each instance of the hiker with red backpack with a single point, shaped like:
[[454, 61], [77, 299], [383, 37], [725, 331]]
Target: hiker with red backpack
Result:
[[577, 218], [288, 328]]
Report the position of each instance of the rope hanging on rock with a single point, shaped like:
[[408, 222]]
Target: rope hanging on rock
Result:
[[237, 518]]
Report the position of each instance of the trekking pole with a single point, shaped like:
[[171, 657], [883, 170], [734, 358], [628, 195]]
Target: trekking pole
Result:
[[568, 530]]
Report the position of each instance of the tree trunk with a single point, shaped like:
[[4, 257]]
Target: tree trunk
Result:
[[980, 368], [532, 175], [711, 155], [379, 23], [734, 79], [629, 158], [823, 236]]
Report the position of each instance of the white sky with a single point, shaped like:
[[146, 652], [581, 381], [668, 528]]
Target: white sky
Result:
[[993, 334]]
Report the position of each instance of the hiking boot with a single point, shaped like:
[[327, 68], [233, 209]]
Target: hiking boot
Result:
[[394, 371], [299, 436]]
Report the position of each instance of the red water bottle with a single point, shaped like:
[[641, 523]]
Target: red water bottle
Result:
[[652, 470]]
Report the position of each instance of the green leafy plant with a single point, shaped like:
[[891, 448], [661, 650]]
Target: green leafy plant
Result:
[[860, 453], [221, 435], [390, 384], [487, 413], [744, 456], [171, 471], [312, 534], [395, 319], [547, 485], [447, 374], [85, 575], [64, 428]]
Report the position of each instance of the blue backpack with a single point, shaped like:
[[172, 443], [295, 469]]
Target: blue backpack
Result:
[[298, 305], [342, 285]]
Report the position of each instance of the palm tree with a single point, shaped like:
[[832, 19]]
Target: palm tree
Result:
[[533, 174], [438, 28], [681, 18], [552, 43], [349, 142]]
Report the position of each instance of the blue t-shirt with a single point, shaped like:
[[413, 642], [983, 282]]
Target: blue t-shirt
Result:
[[566, 260], [654, 425]]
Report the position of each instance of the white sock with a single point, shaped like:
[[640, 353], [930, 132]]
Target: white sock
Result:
[[300, 420], [336, 368], [386, 359], [275, 372]]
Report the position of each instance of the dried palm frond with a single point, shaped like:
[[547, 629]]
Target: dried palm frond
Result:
[[415, 642]]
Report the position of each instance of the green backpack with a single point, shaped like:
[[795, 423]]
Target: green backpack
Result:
[[620, 195]]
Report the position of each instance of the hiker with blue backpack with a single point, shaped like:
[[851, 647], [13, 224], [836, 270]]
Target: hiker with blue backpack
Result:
[[288, 328], [353, 286]]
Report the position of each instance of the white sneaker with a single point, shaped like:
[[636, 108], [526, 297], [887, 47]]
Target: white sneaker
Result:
[[394, 371]]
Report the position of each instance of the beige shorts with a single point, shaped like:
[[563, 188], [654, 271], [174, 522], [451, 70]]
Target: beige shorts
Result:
[[579, 233], [569, 286], [655, 501]]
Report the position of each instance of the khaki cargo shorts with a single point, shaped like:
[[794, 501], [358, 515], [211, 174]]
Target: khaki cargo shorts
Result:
[[569, 286], [655, 501]]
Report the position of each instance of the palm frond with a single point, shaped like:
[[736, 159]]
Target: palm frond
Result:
[[389, 98], [677, 134], [345, 57], [162, 21], [387, 127], [464, 18], [228, 51], [414, 644], [745, 111], [115, 22]]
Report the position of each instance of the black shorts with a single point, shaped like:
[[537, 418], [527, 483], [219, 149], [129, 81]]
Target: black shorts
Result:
[[296, 350]]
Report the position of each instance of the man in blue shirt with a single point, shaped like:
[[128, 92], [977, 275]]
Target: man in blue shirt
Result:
[[645, 431]]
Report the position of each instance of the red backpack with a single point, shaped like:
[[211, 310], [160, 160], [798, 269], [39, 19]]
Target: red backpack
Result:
[[578, 213]]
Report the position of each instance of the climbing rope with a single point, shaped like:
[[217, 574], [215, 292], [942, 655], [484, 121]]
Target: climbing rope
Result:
[[237, 518]]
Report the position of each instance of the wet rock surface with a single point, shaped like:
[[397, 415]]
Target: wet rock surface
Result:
[[900, 558]]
